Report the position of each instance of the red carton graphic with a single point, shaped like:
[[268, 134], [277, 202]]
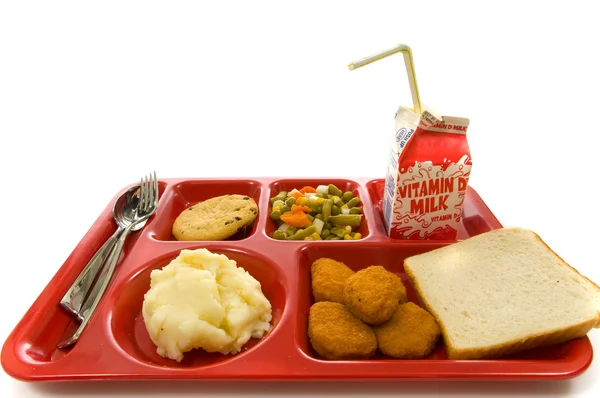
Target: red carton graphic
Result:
[[427, 176]]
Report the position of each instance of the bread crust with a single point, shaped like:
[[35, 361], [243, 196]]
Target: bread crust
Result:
[[547, 338], [565, 264], [515, 346]]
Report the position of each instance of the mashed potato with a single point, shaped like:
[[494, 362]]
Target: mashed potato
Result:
[[203, 300]]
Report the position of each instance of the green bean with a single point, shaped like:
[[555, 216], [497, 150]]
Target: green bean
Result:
[[279, 235], [280, 196], [339, 232], [333, 190], [346, 219], [353, 202], [290, 231], [313, 205], [355, 210], [336, 211], [332, 237], [311, 218], [300, 235], [325, 233], [347, 196], [275, 215], [336, 200], [290, 201], [285, 209], [321, 195], [327, 205]]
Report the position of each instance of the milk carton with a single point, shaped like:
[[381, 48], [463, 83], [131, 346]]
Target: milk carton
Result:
[[428, 167], [427, 176]]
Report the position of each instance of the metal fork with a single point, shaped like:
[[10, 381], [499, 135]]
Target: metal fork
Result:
[[145, 209]]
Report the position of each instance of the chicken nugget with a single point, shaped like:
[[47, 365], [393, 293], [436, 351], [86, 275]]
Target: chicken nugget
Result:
[[372, 294], [411, 333], [328, 279], [335, 333]]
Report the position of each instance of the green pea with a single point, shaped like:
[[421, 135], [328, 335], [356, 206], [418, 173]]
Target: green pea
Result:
[[290, 202], [279, 235], [320, 217], [275, 215], [336, 211], [325, 233], [347, 196], [355, 210], [328, 225], [290, 231], [285, 209]]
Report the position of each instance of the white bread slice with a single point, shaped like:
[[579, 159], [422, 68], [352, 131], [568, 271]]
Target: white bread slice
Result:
[[502, 292]]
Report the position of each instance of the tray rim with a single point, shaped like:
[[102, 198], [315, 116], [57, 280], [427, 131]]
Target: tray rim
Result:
[[10, 362]]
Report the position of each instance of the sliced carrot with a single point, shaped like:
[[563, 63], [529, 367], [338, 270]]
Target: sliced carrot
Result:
[[296, 194], [308, 189], [295, 219], [305, 209]]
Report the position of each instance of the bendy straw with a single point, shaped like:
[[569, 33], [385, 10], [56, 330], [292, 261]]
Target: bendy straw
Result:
[[410, 70]]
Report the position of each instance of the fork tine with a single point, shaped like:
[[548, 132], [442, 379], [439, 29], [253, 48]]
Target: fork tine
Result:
[[155, 190], [146, 195], [141, 195], [151, 179]]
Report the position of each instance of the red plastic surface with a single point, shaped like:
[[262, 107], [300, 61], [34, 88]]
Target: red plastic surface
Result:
[[115, 344]]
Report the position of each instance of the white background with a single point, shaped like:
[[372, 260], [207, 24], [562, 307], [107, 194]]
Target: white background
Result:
[[93, 95]]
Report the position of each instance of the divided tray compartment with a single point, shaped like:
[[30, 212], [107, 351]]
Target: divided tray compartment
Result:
[[116, 345]]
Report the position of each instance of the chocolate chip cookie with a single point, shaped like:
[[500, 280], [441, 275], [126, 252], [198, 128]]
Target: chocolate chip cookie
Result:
[[217, 218]]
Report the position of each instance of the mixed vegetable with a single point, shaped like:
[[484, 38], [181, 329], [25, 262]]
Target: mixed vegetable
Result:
[[321, 213]]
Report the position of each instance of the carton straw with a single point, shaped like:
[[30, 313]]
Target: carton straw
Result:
[[410, 70]]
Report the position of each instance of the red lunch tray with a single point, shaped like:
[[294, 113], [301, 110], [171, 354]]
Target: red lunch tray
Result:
[[116, 345]]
